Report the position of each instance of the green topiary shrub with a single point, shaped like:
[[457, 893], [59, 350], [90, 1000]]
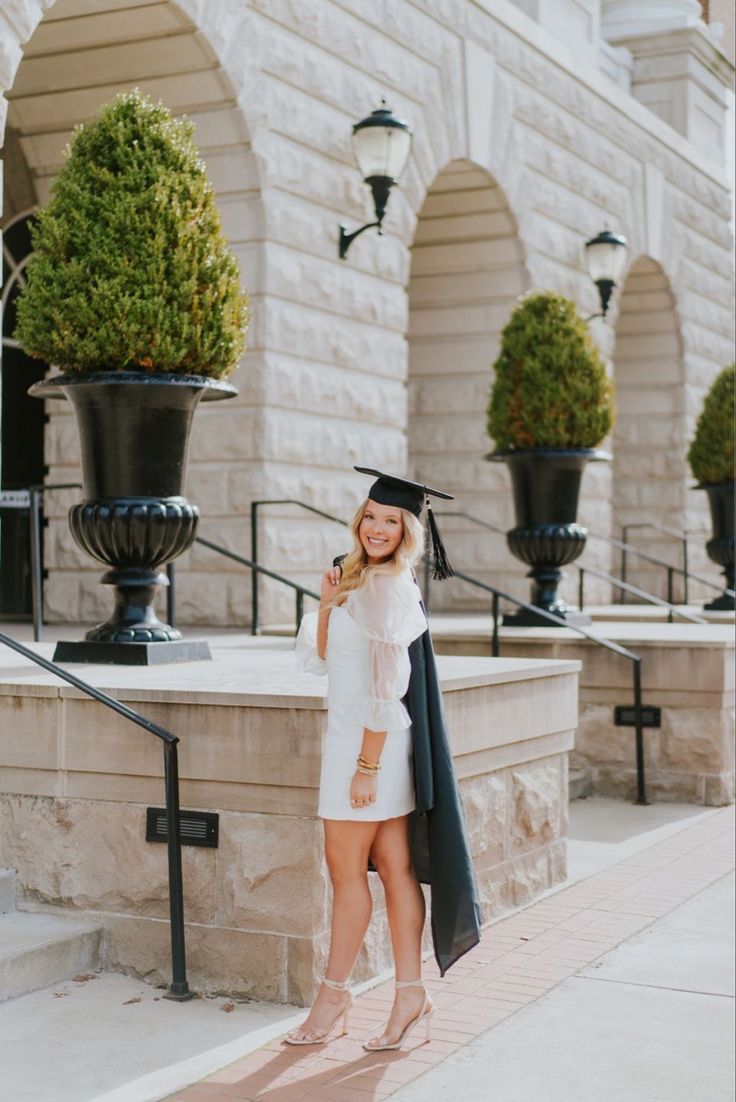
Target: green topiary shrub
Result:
[[131, 268], [550, 389], [711, 455]]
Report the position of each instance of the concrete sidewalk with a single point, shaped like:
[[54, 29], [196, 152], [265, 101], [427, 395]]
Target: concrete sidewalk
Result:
[[521, 1017], [651, 1021], [531, 983]]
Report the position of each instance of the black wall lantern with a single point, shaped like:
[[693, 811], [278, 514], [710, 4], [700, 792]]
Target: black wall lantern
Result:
[[605, 256], [381, 144]]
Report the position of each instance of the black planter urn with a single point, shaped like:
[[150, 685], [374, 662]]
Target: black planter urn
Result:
[[134, 430], [546, 486], [720, 545]]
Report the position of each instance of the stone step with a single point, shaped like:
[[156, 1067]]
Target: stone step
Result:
[[579, 784], [7, 890], [38, 950]]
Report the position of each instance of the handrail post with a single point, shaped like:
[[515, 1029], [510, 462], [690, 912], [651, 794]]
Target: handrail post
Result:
[[179, 989], [299, 608], [641, 795], [34, 518], [254, 573], [581, 587], [495, 644], [684, 571], [171, 595], [670, 591], [624, 539]]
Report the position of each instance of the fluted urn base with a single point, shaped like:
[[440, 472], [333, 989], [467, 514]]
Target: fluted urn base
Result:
[[546, 548], [135, 536]]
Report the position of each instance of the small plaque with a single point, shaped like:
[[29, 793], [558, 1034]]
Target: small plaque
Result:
[[624, 715], [15, 499]]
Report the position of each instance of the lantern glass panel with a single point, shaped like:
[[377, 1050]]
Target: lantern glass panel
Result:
[[605, 260], [381, 150]]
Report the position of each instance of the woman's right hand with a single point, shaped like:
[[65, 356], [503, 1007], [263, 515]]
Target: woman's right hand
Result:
[[330, 582]]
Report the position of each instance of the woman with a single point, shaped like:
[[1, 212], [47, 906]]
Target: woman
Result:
[[370, 613]]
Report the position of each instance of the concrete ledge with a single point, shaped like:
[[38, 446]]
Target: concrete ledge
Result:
[[687, 671], [76, 779]]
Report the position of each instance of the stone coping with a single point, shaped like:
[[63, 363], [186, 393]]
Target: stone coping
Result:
[[655, 613], [637, 633], [246, 671]]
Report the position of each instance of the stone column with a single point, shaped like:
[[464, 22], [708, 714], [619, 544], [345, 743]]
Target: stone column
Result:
[[679, 73]]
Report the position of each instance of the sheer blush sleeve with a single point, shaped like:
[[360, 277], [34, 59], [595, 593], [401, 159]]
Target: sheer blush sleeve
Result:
[[389, 612], [306, 646]]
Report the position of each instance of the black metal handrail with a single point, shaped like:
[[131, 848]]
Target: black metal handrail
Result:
[[627, 587], [35, 499], [678, 533], [686, 574], [254, 507], [179, 989], [499, 595], [619, 583], [301, 591]]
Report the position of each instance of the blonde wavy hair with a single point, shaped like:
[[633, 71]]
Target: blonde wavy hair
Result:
[[356, 567]]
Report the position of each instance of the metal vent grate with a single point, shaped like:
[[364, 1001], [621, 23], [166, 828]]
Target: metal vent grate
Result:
[[198, 828]]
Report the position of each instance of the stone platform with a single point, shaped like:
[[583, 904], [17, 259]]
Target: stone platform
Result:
[[687, 671], [75, 781]]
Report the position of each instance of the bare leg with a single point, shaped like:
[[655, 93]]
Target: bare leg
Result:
[[347, 845], [406, 911]]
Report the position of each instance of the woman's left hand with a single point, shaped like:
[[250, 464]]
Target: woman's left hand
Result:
[[363, 790]]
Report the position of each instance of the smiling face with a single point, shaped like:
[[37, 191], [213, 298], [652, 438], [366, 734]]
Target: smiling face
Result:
[[381, 530]]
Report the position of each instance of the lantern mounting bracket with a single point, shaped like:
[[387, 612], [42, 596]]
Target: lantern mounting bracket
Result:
[[346, 238], [381, 188]]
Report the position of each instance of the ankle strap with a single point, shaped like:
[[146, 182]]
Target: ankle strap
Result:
[[409, 983], [336, 985]]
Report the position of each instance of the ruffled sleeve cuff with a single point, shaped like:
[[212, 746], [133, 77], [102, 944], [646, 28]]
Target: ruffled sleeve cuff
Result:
[[306, 646], [384, 715]]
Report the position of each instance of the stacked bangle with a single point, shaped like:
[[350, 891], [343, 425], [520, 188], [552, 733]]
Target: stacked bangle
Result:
[[370, 768]]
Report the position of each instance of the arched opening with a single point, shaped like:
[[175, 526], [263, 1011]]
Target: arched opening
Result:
[[649, 468], [21, 431], [80, 56], [467, 269]]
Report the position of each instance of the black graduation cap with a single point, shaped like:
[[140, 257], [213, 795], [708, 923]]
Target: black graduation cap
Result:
[[389, 489]]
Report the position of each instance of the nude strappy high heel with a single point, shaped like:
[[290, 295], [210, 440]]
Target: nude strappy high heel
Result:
[[426, 1013], [320, 1038]]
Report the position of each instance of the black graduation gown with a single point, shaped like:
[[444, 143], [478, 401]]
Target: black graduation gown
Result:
[[439, 844]]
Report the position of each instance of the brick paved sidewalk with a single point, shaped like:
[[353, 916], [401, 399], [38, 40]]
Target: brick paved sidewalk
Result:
[[519, 959]]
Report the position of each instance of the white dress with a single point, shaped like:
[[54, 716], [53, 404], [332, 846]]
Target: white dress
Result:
[[367, 663]]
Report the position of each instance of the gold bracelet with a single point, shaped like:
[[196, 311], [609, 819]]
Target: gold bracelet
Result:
[[366, 772], [362, 760]]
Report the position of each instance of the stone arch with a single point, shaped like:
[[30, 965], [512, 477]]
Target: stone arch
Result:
[[77, 55], [649, 467], [467, 268]]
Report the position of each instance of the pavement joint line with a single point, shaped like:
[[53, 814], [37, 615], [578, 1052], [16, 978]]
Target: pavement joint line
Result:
[[656, 986]]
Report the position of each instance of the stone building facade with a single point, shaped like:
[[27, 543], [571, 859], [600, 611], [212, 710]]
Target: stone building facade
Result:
[[535, 122]]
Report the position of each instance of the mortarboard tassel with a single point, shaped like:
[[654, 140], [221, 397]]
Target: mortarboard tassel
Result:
[[442, 568]]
